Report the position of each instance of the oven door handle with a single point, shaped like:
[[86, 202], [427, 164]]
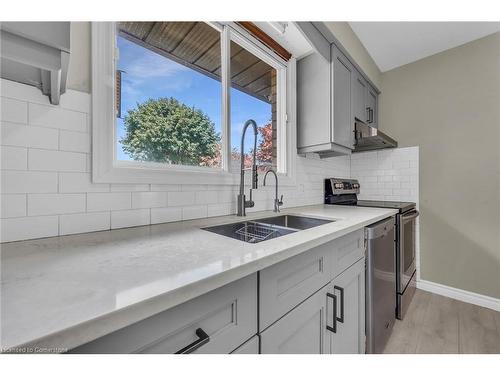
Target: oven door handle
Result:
[[410, 216]]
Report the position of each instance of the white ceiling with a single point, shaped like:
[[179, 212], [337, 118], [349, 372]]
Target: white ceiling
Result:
[[392, 44]]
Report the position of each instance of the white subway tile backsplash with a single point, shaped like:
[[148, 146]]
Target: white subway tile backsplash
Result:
[[24, 228], [29, 136], [28, 182], [206, 197], [15, 158], [14, 110], [181, 198], [149, 199], [194, 212], [129, 187], [165, 215], [108, 201], [74, 141], [226, 196], [75, 182], [56, 117], [159, 187], [13, 205], [57, 144], [221, 209], [129, 218], [63, 161], [85, 222], [51, 204]]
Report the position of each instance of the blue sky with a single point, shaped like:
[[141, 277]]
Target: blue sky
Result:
[[149, 75]]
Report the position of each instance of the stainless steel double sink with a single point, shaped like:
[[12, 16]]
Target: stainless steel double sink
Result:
[[258, 230]]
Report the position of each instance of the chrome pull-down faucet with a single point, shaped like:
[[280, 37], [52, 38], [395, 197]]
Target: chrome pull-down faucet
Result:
[[242, 202], [277, 202]]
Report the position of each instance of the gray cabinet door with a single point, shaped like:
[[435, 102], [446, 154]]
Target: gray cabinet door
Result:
[[372, 104], [249, 347], [286, 284], [343, 119], [301, 331], [313, 101], [228, 315], [349, 289], [359, 89], [346, 251]]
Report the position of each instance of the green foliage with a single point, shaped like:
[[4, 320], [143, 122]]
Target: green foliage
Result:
[[167, 131]]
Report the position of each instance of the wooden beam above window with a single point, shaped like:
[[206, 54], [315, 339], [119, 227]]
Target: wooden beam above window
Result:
[[266, 39]]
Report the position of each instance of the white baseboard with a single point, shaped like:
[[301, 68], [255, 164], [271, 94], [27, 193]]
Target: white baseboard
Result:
[[460, 294]]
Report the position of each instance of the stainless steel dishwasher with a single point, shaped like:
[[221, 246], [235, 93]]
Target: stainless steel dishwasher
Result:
[[380, 284]]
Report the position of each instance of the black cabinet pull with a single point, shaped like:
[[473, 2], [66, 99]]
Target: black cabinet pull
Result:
[[334, 327], [368, 115], [203, 338], [341, 290]]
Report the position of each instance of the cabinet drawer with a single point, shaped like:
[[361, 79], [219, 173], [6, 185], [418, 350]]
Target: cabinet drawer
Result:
[[286, 284], [228, 315], [250, 347], [346, 251], [301, 331]]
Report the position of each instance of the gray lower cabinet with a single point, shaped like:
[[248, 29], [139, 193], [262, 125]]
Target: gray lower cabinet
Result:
[[227, 315], [313, 302], [286, 284], [349, 291], [301, 331], [346, 251], [249, 347]]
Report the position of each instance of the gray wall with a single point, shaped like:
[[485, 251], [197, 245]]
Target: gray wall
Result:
[[358, 52], [449, 105]]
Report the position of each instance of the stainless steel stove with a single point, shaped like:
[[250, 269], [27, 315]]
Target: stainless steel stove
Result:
[[344, 192]]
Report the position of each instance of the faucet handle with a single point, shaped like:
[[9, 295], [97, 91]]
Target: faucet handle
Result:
[[280, 201]]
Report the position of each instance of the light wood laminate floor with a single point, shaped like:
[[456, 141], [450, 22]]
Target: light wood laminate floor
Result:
[[435, 324]]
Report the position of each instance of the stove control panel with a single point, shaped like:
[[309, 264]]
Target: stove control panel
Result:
[[334, 186]]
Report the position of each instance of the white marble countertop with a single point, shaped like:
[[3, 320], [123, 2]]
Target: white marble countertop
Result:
[[65, 291]]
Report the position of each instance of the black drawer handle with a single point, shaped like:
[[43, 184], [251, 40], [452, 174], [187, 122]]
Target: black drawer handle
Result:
[[341, 290], [334, 327], [203, 338]]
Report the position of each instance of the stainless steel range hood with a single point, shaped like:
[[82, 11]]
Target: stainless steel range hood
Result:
[[369, 138]]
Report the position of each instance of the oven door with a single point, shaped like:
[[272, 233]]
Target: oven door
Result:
[[407, 242]]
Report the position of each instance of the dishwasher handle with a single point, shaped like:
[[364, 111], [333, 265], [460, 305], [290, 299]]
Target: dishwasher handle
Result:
[[410, 216], [380, 229]]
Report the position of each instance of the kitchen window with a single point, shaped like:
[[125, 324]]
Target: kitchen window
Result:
[[170, 100]]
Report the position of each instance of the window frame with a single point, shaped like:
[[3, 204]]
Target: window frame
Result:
[[107, 169]]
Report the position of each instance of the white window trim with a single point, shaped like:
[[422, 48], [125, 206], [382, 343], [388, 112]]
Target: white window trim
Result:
[[106, 169]]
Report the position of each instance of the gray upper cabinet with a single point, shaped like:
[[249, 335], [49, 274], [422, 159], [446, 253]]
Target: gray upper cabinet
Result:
[[313, 103], [365, 101], [343, 124], [36, 54], [359, 90], [372, 105], [324, 108], [331, 92]]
